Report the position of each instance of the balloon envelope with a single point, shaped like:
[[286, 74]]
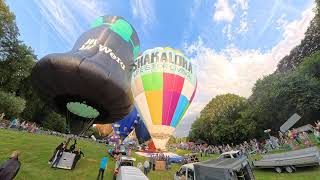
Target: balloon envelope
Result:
[[163, 85], [104, 129], [142, 132], [92, 81], [126, 125]]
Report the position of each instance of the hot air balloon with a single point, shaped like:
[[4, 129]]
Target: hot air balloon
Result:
[[141, 131], [125, 126], [163, 85], [104, 129], [91, 83]]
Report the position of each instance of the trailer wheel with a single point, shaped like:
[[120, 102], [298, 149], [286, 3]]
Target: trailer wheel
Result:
[[278, 169], [289, 169]]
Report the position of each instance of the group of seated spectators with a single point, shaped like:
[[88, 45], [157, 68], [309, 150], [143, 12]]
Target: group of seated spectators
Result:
[[20, 125], [292, 139]]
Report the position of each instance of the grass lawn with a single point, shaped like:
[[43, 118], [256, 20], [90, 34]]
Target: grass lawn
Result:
[[36, 150]]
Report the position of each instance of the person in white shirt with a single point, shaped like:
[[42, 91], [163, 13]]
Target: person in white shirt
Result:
[[146, 167]]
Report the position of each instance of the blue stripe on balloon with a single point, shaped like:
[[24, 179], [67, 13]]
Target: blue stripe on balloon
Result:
[[182, 103]]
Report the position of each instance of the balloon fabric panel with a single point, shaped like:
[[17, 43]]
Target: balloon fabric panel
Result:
[[182, 105], [171, 92], [154, 99]]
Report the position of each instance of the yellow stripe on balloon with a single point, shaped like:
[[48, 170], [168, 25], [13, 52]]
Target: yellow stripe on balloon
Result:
[[154, 99]]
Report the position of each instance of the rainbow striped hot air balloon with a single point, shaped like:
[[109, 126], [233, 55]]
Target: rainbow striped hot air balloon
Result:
[[163, 85]]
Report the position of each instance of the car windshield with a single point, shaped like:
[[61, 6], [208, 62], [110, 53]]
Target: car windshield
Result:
[[126, 163], [190, 174]]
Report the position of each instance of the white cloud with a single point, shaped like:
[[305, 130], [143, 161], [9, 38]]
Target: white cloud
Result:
[[281, 22], [244, 4], [223, 11], [144, 10], [243, 27], [234, 71], [63, 16]]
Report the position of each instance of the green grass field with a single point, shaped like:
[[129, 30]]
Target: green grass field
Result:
[[36, 150]]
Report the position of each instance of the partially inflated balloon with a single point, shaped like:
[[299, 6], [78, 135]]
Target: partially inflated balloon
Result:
[[141, 131], [163, 86], [92, 81], [104, 129], [125, 126]]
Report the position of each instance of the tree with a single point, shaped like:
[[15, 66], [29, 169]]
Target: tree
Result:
[[276, 97], [8, 31], [11, 104], [222, 121], [54, 121]]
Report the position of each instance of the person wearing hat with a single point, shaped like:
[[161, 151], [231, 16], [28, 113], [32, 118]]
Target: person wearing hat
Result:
[[10, 168]]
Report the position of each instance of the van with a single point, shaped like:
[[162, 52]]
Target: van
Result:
[[131, 173]]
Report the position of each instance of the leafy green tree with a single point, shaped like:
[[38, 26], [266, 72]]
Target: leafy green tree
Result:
[[11, 104], [54, 121], [276, 97], [222, 121], [8, 31]]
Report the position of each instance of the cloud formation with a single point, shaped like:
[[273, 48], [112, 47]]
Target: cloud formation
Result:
[[62, 16], [223, 11], [143, 9], [234, 71]]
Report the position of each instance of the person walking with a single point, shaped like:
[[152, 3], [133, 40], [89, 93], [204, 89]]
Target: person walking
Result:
[[146, 166], [103, 166], [10, 168]]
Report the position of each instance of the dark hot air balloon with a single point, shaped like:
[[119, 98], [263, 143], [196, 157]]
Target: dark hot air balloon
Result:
[[91, 83]]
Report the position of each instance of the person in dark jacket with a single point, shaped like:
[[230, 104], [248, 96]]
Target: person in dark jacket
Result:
[[59, 155], [78, 153], [55, 151], [72, 147], [10, 168]]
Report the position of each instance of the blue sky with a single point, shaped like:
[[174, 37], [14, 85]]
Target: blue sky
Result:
[[233, 42]]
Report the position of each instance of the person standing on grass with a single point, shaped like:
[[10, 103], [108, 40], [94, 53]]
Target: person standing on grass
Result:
[[59, 155], [55, 151], [103, 166], [146, 166], [10, 168]]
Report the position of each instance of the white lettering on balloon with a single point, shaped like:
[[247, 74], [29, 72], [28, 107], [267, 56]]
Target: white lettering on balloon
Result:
[[90, 43]]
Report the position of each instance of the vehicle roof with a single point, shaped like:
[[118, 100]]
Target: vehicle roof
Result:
[[127, 158], [132, 173], [189, 166], [234, 163], [230, 152]]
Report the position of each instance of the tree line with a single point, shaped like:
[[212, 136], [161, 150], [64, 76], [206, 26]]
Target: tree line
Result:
[[17, 97]]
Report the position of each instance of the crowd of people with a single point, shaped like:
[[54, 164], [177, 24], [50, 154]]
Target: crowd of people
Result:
[[292, 139], [20, 125]]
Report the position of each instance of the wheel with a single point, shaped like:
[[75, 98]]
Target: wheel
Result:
[[278, 169], [289, 169]]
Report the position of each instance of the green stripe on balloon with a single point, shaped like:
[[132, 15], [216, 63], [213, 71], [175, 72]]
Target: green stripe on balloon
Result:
[[122, 28], [152, 81], [136, 51], [97, 22]]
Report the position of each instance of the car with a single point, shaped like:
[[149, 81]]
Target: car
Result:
[[123, 161], [131, 173], [230, 154]]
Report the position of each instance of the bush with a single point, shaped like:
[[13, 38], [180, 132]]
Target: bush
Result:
[[55, 122], [11, 104]]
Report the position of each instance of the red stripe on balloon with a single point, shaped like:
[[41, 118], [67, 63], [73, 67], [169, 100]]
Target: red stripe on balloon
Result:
[[194, 92], [172, 88]]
